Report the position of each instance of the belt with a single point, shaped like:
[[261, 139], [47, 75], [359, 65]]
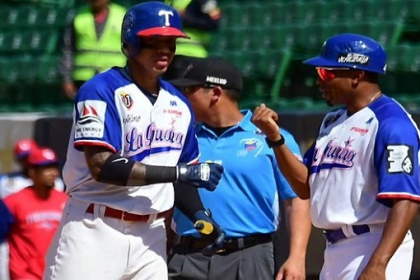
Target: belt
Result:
[[125, 216], [230, 244], [334, 236]]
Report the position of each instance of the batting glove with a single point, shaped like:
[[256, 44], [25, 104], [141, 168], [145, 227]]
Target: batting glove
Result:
[[201, 175], [208, 227]]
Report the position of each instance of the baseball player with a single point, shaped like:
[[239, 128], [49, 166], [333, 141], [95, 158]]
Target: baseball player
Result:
[[11, 183], [361, 173], [14, 182], [132, 144], [35, 215]]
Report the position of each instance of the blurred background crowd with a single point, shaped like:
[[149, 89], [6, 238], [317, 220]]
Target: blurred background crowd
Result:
[[267, 39]]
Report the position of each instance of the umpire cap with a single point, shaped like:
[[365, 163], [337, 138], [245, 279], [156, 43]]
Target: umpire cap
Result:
[[351, 51], [211, 72]]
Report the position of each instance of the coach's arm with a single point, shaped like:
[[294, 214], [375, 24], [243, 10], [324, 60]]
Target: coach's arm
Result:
[[293, 169]]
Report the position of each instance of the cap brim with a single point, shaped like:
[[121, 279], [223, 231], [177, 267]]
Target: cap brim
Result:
[[46, 163], [319, 61], [163, 31], [185, 82]]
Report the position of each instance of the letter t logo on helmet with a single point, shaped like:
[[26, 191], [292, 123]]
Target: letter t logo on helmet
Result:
[[166, 14], [149, 19]]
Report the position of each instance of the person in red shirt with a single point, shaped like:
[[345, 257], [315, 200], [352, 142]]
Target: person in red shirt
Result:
[[36, 212]]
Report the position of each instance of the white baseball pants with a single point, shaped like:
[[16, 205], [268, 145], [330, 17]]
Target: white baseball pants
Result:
[[345, 260], [91, 247]]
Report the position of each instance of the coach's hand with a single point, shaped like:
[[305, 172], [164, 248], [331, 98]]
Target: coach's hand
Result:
[[208, 227], [201, 175], [265, 119]]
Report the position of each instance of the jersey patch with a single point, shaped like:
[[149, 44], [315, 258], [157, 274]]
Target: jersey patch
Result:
[[400, 159], [91, 119]]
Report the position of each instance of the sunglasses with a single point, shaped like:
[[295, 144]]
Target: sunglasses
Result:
[[192, 89], [327, 74]]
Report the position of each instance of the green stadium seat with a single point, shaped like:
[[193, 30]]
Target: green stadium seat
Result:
[[8, 17], [47, 71], [336, 11]]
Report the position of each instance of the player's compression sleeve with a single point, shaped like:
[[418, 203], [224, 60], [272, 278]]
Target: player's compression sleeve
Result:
[[396, 158], [187, 199], [97, 120]]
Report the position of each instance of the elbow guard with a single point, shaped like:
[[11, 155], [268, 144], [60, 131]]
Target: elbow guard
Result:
[[116, 170]]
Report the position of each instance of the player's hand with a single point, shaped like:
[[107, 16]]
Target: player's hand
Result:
[[201, 175], [373, 272], [69, 90], [208, 227], [265, 119], [292, 269]]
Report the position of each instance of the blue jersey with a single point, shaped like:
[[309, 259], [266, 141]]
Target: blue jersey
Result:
[[360, 162], [246, 200], [113, 112]]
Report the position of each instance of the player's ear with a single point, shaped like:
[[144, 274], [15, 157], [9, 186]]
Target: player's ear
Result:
[[357, 76], [217, 93]]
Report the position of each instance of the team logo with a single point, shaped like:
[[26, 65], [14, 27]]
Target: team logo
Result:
[[400, 159], [127, 100], [250, 146], [166, 14], [333, 156], [354, 58], [88, 115], [128, 22]]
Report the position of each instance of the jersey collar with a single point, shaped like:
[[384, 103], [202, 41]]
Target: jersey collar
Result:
[[245, 124]]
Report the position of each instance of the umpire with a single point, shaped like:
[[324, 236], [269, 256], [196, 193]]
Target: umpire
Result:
[[246, 202]]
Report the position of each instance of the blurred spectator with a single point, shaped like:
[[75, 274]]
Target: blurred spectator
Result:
[[37, 212], [200, 18], [13, 182], [91, 44]]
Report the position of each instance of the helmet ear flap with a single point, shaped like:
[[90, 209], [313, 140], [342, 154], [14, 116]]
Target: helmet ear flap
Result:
[[124, 49]]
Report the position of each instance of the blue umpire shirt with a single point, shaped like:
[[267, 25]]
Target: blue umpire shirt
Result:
[[246, 200]]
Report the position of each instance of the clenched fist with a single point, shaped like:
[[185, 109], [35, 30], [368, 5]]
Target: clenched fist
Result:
[[265, 119]]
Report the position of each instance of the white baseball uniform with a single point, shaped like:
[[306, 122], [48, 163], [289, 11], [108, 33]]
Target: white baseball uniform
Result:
[[113, 112], [358, 164], [11, 183]]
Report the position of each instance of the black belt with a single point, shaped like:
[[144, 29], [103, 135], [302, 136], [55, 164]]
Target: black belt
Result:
[[230, 244], [334, 236]]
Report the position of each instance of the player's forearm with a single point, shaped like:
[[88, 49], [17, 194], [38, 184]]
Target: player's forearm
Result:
[[293, 170], [394, 232], [299, 226], [187, 200], [106, 167]]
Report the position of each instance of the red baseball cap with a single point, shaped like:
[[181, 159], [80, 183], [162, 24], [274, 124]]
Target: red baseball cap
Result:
[[42, 156], [24, 147]]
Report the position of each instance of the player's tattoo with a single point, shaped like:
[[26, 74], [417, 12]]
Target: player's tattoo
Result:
[[95, 158]]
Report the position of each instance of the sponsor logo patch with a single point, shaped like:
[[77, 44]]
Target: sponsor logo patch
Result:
[[91, 119], [400, 159]]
